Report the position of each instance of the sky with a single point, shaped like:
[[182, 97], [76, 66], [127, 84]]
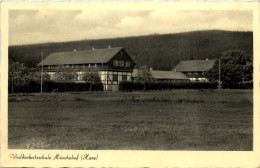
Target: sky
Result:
[[40, 26]]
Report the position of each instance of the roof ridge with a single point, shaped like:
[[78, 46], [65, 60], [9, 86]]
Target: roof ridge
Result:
[[199, 60], [87, 50]]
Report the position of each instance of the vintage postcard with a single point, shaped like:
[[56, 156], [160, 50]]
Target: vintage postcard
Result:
[[130, 84]]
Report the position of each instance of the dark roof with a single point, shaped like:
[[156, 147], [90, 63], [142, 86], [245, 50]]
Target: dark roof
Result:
[[194, 65], [81, 57], [163, 74]]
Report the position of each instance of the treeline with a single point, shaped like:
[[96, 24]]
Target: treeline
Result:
[[162, 52]]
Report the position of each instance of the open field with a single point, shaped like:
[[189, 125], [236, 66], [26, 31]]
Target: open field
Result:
[[158, 120]]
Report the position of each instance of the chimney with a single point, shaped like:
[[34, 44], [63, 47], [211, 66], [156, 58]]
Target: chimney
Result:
[[108, 46], [75, 50], [93, 48]]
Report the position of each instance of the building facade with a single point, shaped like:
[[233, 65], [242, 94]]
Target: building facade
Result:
[[195, 69], [167, 76], [114, 65]]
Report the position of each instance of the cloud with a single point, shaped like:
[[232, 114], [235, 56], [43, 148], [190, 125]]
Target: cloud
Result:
[[30, 26]]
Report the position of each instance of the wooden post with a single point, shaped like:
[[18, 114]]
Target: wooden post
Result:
[[41, 72], [12, 84], [219, 76]]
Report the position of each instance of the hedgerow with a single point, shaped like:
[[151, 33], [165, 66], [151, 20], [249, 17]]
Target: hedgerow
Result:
[[136, 86], [52, 86]]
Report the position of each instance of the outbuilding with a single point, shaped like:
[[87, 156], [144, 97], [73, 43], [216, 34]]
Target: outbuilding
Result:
[[169, 76], [195, 69]]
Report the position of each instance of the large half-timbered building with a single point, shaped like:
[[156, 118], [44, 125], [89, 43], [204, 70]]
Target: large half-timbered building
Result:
[[114, 64]]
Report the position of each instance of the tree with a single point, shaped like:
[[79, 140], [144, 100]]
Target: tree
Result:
[[91, 76], [35, 75], [144, 75], [17, 74], [236, 67], [66, 75]]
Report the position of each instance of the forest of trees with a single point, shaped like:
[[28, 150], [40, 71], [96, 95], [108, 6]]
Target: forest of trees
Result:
[[162, 52]]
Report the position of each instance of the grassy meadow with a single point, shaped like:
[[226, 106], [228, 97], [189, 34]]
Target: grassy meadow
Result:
[[156, 120]]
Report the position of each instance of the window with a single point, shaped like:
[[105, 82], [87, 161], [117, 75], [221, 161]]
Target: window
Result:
[[121, 63], [80, 76], [124, 78], [115, 77], [127, 63], [115, 62], [52, 75]]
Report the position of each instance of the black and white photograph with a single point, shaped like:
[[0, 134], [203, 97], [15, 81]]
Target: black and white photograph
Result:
[[130, 80]]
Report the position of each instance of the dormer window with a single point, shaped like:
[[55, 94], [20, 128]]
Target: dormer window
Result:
[[121, 63], [127, 64], [115, 63]]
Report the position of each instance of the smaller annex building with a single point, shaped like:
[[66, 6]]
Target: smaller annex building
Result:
[[114, 65], [195, 69], [169, 76]]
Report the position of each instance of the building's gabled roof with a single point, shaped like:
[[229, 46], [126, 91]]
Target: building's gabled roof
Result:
[[81, 57], [164, 75], [168, 75], [194, 65]]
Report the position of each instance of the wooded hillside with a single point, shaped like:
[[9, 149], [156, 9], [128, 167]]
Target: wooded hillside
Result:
[[162, 52]]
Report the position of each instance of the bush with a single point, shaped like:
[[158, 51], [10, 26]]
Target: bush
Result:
[[241, 85], [246, 85], [52, 86], [80, 99], [29, 87], [134, 86]]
